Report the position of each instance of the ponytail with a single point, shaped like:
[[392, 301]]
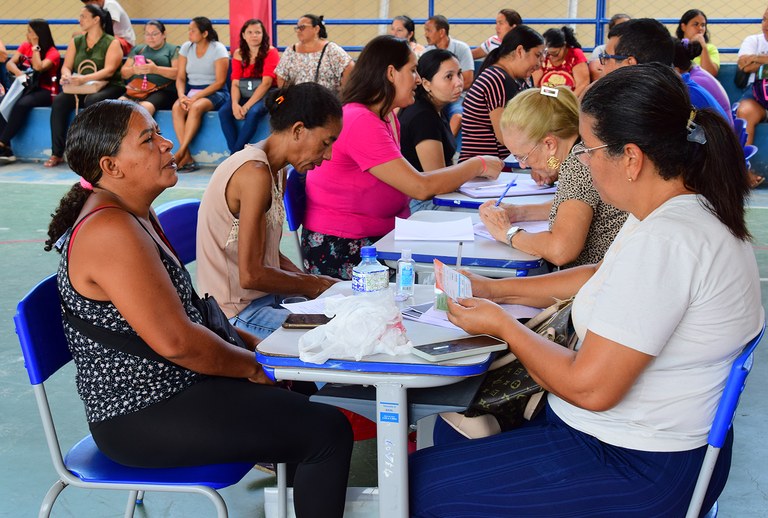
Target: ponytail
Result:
[[570, 38], [717, 170], [491, 59], [66, 214]]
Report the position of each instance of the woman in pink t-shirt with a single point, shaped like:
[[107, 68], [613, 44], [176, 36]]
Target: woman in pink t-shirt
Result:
[[565, 63], [353, 199]]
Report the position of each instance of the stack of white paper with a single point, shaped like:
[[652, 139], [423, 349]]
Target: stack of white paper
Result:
[[454, 230]]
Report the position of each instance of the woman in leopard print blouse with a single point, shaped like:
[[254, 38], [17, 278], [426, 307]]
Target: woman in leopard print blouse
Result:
[[541, 128]]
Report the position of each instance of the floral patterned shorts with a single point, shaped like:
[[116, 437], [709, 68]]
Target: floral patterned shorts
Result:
[[331, 255]]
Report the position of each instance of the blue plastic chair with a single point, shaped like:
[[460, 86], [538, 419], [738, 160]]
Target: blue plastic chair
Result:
[[740, 128], [726, 410], [45, 350], [749, 152], [295, 201], [179, 221]]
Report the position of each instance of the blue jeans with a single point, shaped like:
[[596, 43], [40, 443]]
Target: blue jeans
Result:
[[262, 316], [236, 140]]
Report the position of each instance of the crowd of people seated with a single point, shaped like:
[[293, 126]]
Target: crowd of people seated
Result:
[[639, 150], [160, 74]]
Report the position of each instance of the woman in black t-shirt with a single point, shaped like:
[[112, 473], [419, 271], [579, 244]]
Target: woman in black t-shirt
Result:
[[425, 137]]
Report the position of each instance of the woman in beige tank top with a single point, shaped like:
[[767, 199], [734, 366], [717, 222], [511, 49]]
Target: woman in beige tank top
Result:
[[241, 215]]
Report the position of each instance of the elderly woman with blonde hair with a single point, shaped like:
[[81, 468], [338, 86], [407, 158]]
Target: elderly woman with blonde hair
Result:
[[541, 129]]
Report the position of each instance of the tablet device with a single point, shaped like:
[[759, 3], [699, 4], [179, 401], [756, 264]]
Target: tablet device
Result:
[[459, 348], [305, 320]]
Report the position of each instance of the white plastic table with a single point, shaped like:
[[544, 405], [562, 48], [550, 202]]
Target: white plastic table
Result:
[[392, 376], [483, 256]]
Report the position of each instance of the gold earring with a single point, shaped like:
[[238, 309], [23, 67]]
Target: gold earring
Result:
[[553, 163], [629, 179]]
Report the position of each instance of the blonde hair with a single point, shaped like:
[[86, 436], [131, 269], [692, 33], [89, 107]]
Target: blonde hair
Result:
[[538, 115]]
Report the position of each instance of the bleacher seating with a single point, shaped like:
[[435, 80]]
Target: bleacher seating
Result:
[[209, 147]]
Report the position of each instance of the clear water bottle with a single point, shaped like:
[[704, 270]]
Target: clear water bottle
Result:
[[370, 276], [406, 276]]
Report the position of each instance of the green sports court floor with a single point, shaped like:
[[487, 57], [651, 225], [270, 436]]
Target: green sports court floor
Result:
[[28, 195]]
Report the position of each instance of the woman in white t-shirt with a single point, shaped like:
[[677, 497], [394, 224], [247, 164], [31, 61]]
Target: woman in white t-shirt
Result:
[[660, 320], [200, 84]]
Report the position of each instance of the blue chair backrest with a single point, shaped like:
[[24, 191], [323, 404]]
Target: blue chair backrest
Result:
[[179, 222], [749, 152], [734, 386], [295, 199], [41, 333]]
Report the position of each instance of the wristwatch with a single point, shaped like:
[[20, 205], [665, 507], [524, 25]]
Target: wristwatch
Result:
[[511, 233], [36, 48]]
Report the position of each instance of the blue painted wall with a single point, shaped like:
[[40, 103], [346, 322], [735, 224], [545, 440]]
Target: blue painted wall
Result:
[[208, 148]]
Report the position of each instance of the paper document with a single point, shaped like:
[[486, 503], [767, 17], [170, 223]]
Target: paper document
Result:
[[310, 307], [454, 230], [529, 226], [439, 318], [524, 185], [452, 283]]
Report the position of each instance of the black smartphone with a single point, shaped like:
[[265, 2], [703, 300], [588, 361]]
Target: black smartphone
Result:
[[305, 321]]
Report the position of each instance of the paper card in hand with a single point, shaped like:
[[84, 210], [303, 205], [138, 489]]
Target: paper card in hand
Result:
[[452, 283]]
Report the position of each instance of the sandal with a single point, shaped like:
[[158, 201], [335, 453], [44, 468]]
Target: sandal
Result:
[[53, 161], [755, 180]]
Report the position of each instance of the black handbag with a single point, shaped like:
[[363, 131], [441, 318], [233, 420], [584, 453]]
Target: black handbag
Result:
[[215, 319], [248, 86], [740, 79], [508, 394]]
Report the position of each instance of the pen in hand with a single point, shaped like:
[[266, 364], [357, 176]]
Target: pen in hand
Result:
[[506, 190]]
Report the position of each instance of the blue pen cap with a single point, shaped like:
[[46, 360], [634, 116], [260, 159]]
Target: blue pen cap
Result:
[[368, 251]]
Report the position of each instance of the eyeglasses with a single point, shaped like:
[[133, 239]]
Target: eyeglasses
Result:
[[524, 158], [299, 28], [603, 57], [584, 154], [553, 53], [542, 54], [152, 34]]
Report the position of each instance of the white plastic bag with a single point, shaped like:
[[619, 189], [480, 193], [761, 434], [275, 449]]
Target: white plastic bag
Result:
[[362, 325], [14, 94]]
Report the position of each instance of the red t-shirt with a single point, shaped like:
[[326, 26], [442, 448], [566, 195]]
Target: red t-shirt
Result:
[[562, 74], [270, 63], [46, 79]]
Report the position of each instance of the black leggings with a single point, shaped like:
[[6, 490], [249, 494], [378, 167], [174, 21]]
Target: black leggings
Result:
[[221, 420], [64, 104], [20, 111]]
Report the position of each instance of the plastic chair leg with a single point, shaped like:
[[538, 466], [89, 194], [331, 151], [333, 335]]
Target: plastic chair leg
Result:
[[50, 498], [140, 498], [282, 491], [130, 507]]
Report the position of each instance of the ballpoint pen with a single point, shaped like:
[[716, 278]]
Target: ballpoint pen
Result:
[[509, 186], [496, 185], [458, 255]]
